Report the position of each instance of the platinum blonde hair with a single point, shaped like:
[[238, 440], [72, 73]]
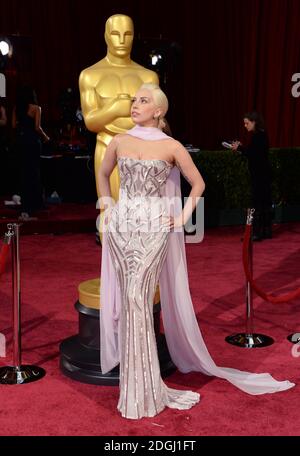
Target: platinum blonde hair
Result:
[[160, 100]]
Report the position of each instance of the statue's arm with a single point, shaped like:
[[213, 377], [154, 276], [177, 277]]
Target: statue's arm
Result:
[[96, 117]]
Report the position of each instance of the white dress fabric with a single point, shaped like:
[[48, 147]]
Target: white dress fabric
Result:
[[136, 255]]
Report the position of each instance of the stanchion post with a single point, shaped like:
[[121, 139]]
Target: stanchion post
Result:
[[17, 373], [16, 293], [249, 297], [249, 339]]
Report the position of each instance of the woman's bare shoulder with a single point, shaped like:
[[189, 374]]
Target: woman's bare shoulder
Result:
[[174, 144], [120, 137]]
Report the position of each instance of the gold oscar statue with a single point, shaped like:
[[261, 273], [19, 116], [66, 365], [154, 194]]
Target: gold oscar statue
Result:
[[106, 89]]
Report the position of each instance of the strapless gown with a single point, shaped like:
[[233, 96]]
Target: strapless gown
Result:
[[138, 244], [141, 253]]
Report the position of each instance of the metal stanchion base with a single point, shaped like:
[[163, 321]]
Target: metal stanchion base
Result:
[[249, 340], [12, 375], [294, 338]]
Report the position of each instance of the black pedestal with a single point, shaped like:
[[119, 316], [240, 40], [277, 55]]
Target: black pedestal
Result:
[[80, 354]]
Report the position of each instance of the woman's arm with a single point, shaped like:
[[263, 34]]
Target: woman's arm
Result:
[[258, 144], [37, 119], [188, 169], [105, 170]]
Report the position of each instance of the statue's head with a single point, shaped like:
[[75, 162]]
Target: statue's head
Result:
[[119, 35]]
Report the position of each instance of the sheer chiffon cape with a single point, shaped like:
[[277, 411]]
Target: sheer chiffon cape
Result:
[[185, 343]]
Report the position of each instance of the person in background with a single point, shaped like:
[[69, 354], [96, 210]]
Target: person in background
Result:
[[26, 120], [260, 174]]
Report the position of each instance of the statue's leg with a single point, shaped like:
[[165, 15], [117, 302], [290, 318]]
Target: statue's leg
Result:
[[114, 178]]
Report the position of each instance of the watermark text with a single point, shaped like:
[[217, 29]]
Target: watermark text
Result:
[[146, 214], [296, 87]]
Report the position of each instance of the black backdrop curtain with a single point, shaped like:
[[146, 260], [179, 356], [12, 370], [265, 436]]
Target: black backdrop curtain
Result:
[[236, 55]]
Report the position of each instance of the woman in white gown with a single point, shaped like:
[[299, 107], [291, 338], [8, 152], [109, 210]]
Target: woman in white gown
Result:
[[143, 244]]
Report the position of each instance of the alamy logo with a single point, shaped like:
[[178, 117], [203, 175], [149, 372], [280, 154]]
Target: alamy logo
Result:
[[296, 87], [2, 85], [151, 214]]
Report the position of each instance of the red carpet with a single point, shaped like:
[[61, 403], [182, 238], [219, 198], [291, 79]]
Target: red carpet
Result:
[[52, 268]]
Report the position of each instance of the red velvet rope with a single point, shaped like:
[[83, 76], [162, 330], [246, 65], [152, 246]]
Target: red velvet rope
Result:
[[3, 256], [266, 296]]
